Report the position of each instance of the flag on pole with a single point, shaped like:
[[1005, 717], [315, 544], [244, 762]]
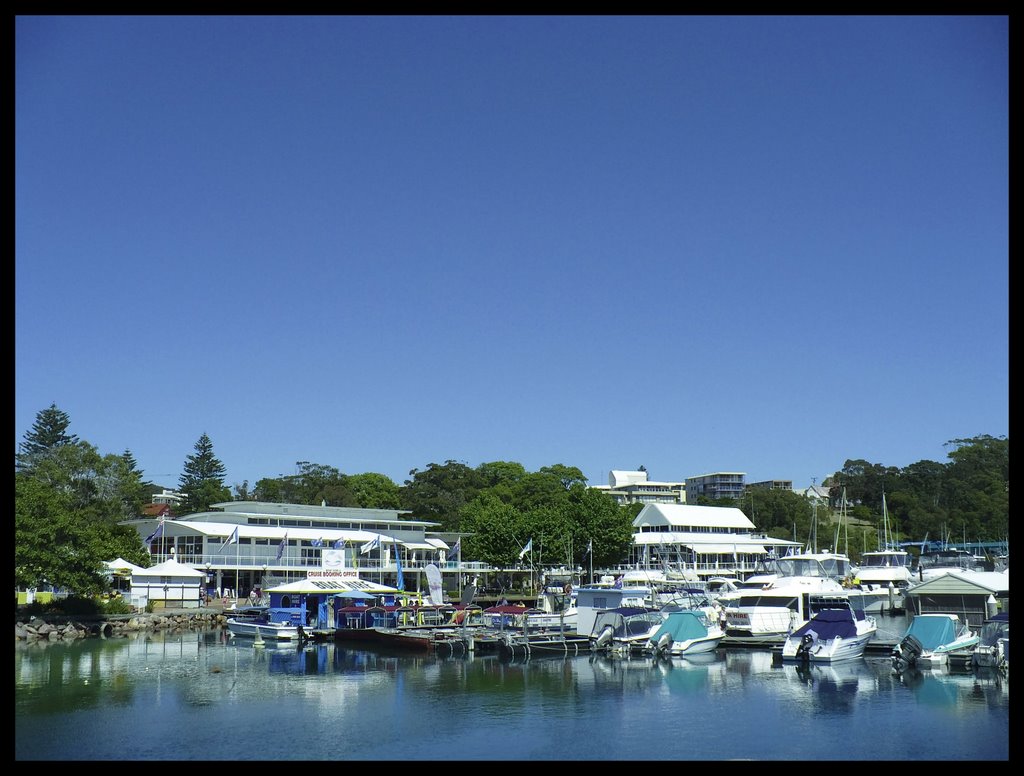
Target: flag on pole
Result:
[[233, 539], [317, 542], [400, 581], [339, 544], [590, 547], [370, 546], [281, 546], [157, 533], [526, 549], [456, 547]]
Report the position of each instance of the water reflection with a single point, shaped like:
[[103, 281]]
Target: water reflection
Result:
[[203, 681]]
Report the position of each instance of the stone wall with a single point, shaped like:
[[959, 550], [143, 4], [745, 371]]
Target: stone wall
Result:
[[67, 628]]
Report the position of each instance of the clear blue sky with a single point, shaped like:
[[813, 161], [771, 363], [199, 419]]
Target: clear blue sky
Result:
[[697, 244]]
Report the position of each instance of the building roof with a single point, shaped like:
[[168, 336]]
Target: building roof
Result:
[[961, 582], [686, 515], [169, 568], [620, 479]]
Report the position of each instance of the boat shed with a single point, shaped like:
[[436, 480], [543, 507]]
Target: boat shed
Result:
[[975, 596]]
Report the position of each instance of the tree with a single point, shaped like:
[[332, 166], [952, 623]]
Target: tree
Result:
[[202, 482], [48, 434], [440, 492], [53, 544], [374, 491]]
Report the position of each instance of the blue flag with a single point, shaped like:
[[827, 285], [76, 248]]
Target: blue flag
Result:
[[281, 546], [339, 544], [371, 545], [456, 547], [317, 542], [400, 583], [157, 533]]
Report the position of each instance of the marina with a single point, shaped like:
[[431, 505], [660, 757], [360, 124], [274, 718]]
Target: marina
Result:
[[199, 695]]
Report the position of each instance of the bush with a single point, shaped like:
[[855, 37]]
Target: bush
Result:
[[118, 606]]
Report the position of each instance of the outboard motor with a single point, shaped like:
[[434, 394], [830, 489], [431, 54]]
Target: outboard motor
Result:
[[664, 643], [803, 652], [605, 637], [905, 653]]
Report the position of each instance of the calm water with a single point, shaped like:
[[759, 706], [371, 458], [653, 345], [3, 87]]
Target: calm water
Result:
[[200, 695]]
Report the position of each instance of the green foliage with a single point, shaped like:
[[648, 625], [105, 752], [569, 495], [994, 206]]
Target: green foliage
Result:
[[54, 543], [202, 482], [117, 606], [374, 491], [968, 497], [48, 434], [440, 493]]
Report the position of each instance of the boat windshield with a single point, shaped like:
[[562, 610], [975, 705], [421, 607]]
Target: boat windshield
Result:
[[781, 601], [877, 560], [800, 567], [994, 630]]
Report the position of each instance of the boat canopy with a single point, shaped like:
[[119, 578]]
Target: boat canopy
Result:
[[683, 626], [933, 630], [830, 623], [996, 628]]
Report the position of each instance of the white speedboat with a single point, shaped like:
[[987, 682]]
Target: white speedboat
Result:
[[932, 640], [685, 632], [836, 632], [262, 628]]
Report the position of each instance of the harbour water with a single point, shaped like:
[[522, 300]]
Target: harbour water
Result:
[[201, 695]]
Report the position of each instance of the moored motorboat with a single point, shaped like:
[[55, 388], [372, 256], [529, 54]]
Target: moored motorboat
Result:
[[262, 628], [781, 603], [834, 633], [993, 648], [685, 632], [933, 640], [624, 629]]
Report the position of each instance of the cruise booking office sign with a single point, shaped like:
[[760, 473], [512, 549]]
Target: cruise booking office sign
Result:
[[332, 564]]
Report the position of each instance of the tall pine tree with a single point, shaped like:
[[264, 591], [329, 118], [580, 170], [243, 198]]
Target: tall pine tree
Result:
[[49, 433], [203, 480]]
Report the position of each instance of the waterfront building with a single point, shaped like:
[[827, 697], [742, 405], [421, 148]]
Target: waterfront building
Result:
[[242, 545], [711, 541]]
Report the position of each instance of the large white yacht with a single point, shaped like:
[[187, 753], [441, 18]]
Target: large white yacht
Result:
[[772, 604]]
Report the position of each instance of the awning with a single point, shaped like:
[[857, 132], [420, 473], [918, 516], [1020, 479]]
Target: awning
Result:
[[418, 546], [352, 594]]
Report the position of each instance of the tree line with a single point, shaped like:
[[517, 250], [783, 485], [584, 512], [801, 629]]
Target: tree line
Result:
[[70, 501]]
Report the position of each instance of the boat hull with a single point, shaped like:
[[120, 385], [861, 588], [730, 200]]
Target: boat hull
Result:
[[830, 651], [269, 631], [695, 646]]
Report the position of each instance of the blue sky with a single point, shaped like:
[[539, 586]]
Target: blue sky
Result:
[[696, 244]]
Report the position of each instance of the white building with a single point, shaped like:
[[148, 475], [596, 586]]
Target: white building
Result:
[[713, 541], [244, 544], [633, 487]]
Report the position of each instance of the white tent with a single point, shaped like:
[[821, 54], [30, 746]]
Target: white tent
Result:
[[169, 584], [122, 567]]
